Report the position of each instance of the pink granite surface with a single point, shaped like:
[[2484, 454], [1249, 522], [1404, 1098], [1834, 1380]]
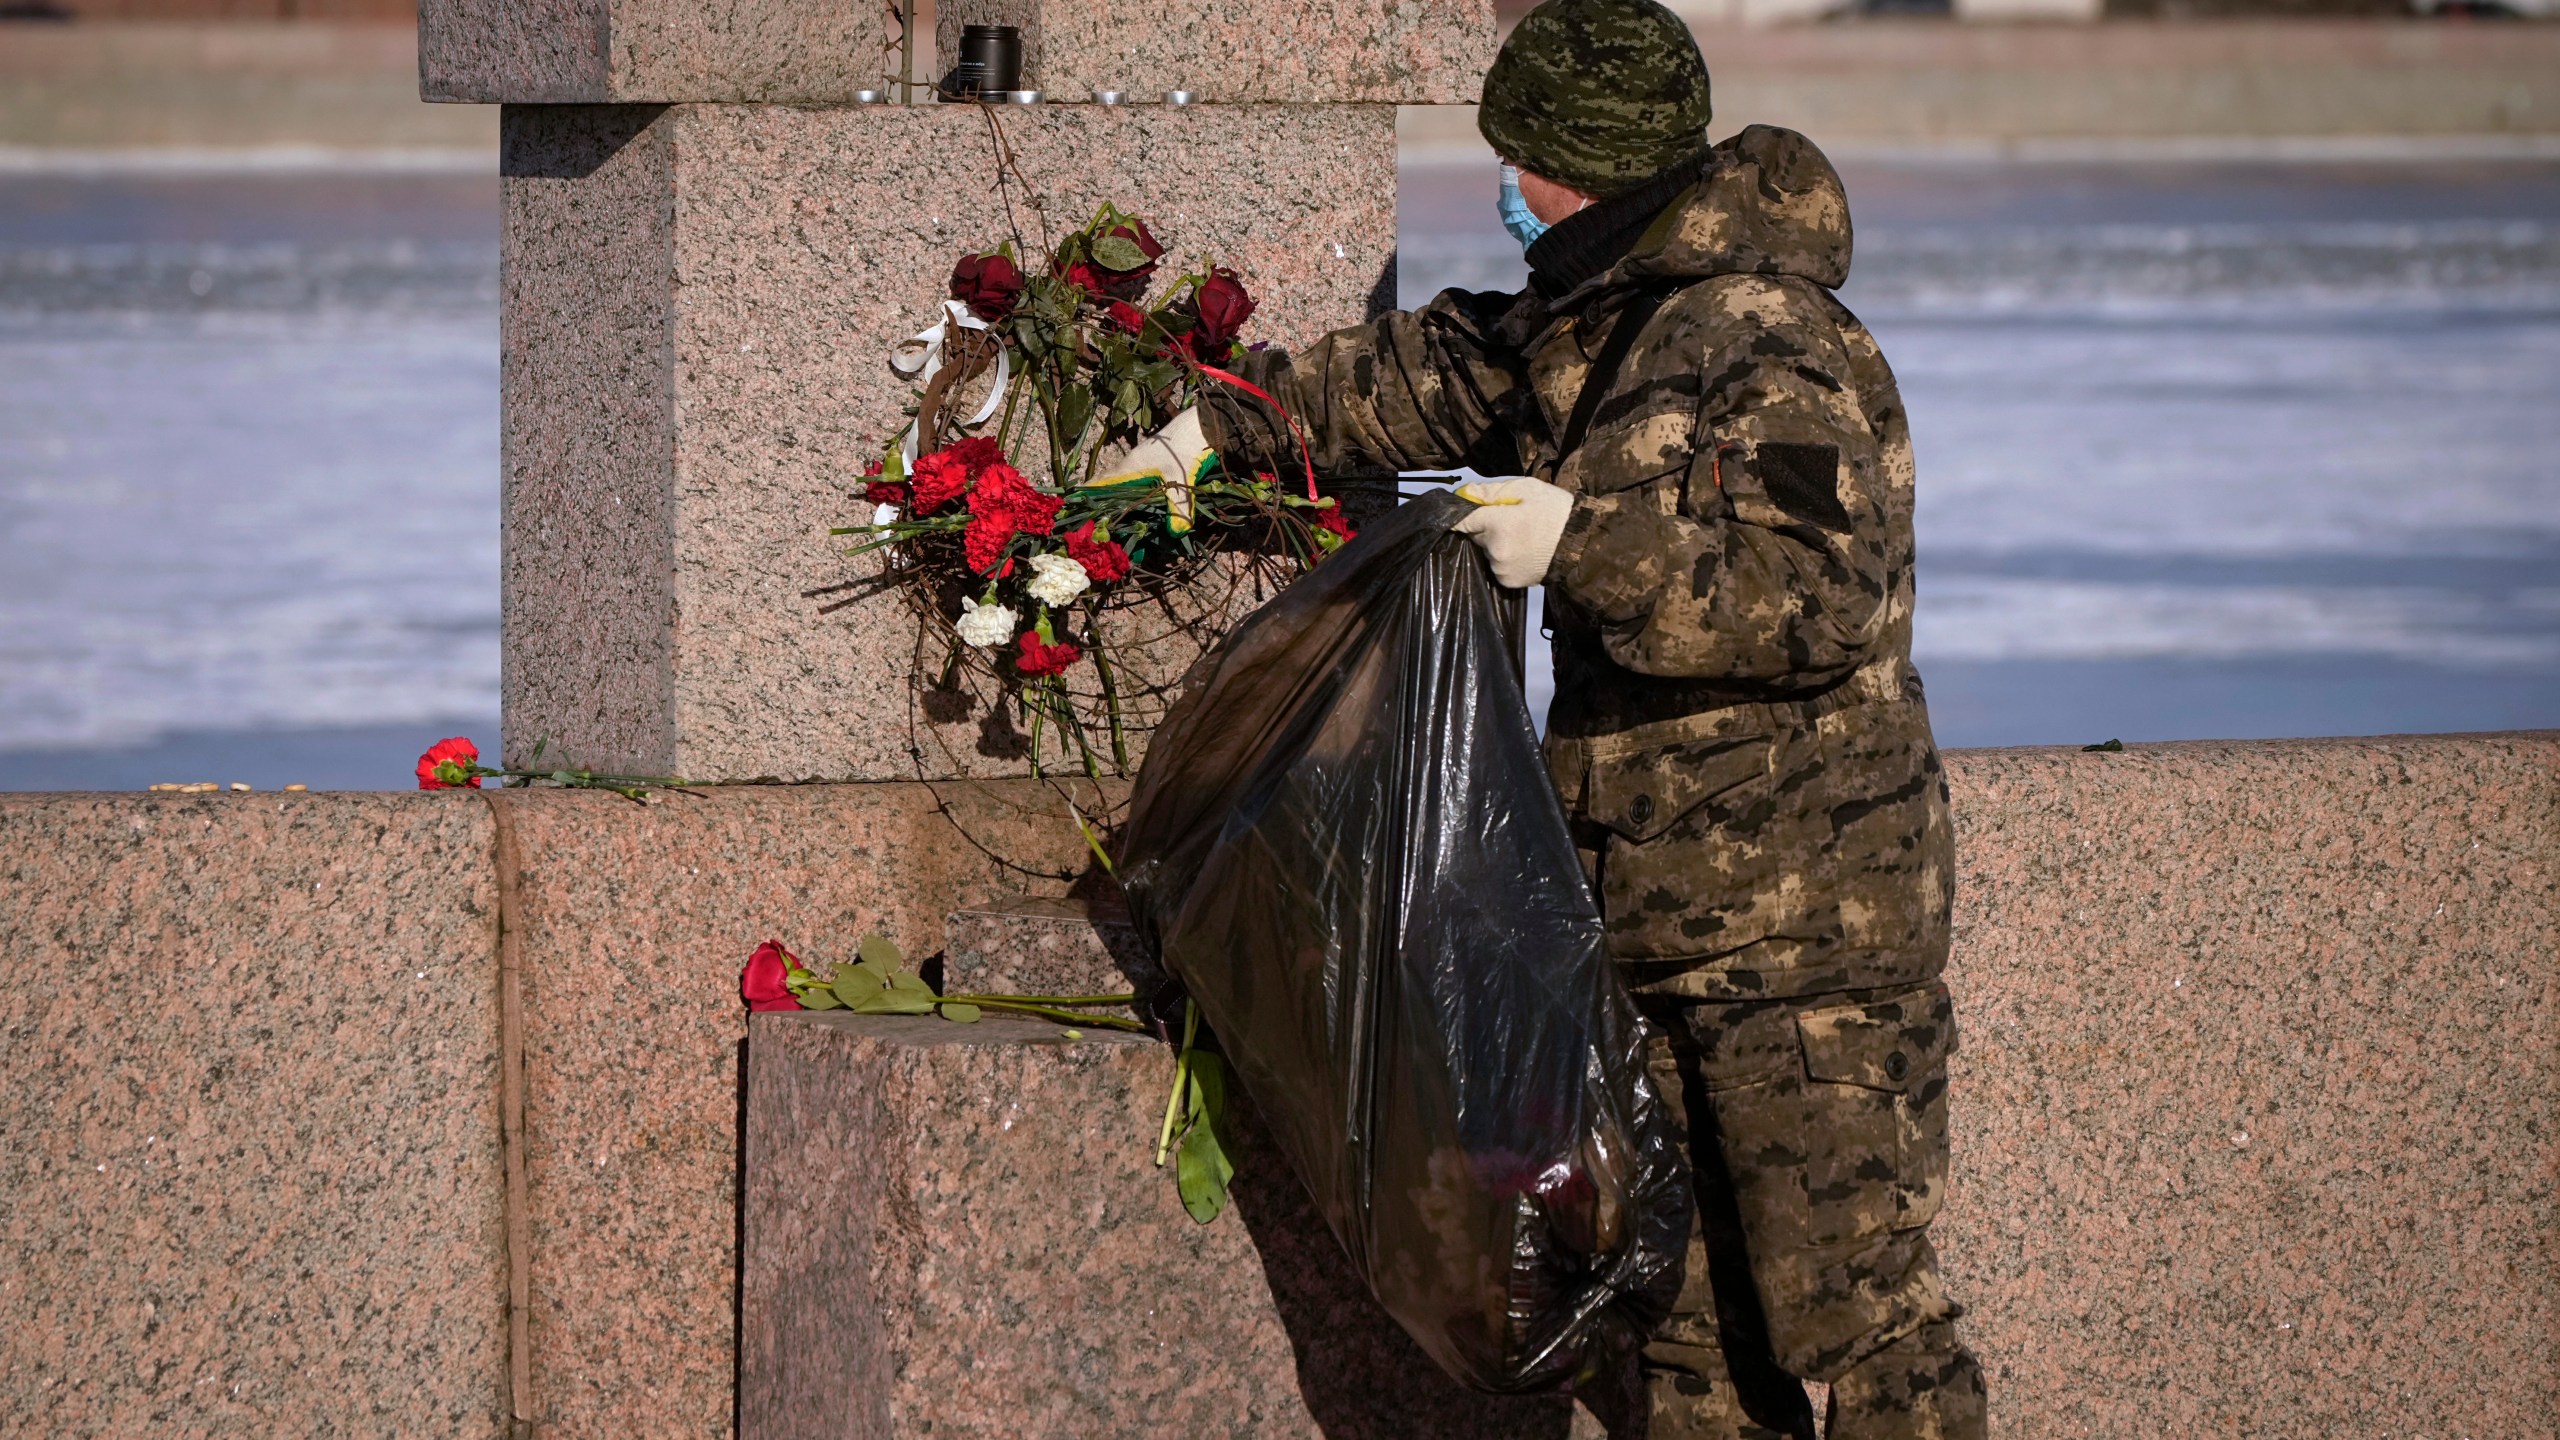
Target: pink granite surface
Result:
[[249, 1151], [633, 922], [606, 52], [2254, 1114], [1038, 945], [957, 1231], [680, 441], [586, 584], [1395, 52]]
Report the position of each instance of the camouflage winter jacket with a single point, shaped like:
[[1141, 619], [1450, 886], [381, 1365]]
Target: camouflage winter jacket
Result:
[[1738, 733]]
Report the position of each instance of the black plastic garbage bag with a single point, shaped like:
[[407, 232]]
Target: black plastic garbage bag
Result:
[[1345, 847]]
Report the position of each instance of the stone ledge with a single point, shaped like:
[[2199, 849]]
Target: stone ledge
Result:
[[958, 1231], [607, 52], [1021, 945], [612, 52]]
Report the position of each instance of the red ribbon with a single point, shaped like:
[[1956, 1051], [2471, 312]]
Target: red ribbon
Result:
[[1305, 451]]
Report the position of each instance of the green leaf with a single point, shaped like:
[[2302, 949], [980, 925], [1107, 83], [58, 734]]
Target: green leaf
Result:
[[856, 984], [1075, 410], [1201, 1169], [960, 1012], [820, 1000], [1201, 1173], [878, 949], [895, 1002], [1118, 252]]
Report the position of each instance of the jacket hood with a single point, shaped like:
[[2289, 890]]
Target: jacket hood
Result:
[[1767, 202]]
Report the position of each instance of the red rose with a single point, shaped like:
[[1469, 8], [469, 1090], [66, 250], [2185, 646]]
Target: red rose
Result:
[[1002, 506], [1087, 278], [1039, 659], [1125, 317], [988, 284], [447, 765], [1222, 305], [1103, 560], [766, 982]]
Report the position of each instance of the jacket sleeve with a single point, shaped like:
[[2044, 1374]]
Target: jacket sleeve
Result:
[[1768, 557], [1411, 390]]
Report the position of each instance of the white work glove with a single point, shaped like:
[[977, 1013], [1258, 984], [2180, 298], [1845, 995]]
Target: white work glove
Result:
[[1518, 522], [1172, 457]]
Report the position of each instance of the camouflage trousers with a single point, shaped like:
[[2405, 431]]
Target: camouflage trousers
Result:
[[1817, 1126]]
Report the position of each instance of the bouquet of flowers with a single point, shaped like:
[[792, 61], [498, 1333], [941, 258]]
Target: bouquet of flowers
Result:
[[999, 508]]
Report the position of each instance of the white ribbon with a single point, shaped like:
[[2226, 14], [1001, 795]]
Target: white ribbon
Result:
[[921, 365]]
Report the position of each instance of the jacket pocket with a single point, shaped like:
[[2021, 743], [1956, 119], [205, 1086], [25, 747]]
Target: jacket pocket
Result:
[[1690, 867], [1889, 1055]]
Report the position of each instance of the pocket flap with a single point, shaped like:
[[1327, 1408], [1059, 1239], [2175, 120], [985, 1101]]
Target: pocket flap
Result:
[[1640, 794], [1881, 1046]]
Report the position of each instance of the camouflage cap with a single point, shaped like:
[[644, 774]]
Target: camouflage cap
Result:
[[1602, 95]]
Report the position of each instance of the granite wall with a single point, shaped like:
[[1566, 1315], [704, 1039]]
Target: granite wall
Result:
[[700, 302], [2260, 1046]]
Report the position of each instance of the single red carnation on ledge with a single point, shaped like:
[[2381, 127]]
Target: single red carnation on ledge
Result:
[[766, 982], [1103, 560], [1043, 659], [447, 765]]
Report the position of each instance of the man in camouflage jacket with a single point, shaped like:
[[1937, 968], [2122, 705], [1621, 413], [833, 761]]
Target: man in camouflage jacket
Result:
[[1738, 733]]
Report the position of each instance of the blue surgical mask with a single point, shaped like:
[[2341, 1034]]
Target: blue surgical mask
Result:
[[1524, 226]]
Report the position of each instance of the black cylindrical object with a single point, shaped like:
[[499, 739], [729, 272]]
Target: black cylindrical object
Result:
[[990, 62]]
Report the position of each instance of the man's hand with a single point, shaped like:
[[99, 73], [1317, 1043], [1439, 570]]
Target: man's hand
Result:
[[1518, 522]]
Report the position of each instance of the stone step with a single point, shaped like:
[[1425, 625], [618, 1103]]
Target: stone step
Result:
[[958, 1230], [1022, 945]]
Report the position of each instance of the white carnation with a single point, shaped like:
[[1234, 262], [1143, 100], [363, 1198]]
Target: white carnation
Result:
[[1057, 579], [983, 625]]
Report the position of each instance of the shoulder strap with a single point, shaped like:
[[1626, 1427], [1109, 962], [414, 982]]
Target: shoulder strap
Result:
[[1604, 371]]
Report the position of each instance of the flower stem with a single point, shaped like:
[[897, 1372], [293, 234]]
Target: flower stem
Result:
[[1046, 1012], [1181, 1081]]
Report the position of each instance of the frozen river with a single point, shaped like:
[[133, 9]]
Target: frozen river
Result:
[[2204, 451]]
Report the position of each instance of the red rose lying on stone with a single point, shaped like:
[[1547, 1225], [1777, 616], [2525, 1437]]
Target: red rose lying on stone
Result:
[[447, 765], [1222, 305], [1103, 560], [1004, 505], [1039, 658], [766, 982], [988, 284]]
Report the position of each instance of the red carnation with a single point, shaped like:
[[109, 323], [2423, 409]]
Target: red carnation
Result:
[[941, 477], [1330, 518], [1038, 658], [1125, 317], [1103, 560], [889, 492], [766, 982], [447, 765], [1222, 305], [988, 284], [1002, 506]]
